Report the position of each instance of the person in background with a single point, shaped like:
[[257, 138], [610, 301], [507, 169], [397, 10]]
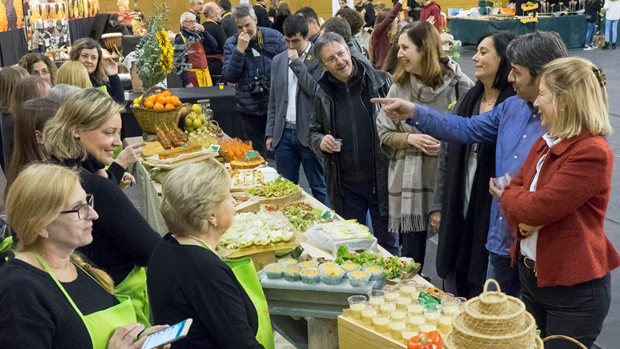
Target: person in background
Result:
[[368, 11], [356, 22], [379, 7], [103, 71], [273, 8], [341, 27], [73, 73], [39, 64], [282, 14], [430, 12], [29, 87], [314, 28], [514, 125], [30, 119], [199, 75], [215, 56], [227, 23], [187, 279], [83, 135], [195, 7], [612, 15], [557, 203], [9, 77], [462, 203], [343, 4], [423, 75], [293, 86], [51, 296], [386, 28], [344, 133], [591, 13], [262, 16], [61, 92], [247, 63]]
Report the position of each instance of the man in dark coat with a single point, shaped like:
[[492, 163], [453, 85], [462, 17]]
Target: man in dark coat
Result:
[[344, 133], [261, 14], [215, 56], [294, 76], [227, 23], [247, 63]]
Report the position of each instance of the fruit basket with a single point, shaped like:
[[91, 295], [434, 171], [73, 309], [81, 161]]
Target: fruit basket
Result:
[[151, 113]]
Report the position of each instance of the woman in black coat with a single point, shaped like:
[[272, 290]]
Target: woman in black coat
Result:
[[283, 13]]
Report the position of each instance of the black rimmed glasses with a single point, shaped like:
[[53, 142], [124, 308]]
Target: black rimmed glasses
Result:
[[83, 209]]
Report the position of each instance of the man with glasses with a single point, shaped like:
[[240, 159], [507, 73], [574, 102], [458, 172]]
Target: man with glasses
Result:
[[191, 30], [344, 133]]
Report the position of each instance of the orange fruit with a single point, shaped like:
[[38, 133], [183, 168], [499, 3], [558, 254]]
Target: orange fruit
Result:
[[149, 104], [166, 93], [176, 101], [161, 100], [169, 106], [169, 100], [158, 106]]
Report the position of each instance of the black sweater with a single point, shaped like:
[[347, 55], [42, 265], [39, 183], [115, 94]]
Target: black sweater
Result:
[[186, 281], [36, 314], [121, 236], [369, 14], [114, 86]]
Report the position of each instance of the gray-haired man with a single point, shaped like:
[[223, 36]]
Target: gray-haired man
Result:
[[514, 125]]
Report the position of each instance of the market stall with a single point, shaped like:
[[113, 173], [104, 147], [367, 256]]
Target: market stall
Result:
[[571, 28]]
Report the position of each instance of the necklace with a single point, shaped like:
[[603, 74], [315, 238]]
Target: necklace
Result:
[[484, 99], [199, 240]]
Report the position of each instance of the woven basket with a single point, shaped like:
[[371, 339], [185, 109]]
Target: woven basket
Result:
[[150, 119], [493, 321], [566, 338]]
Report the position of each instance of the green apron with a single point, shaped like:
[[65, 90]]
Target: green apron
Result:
[[5, 244], [103, 88], [134, 286], [246, 275], [102, 324]]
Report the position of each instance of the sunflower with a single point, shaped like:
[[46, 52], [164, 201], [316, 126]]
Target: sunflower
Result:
[[167, 51]]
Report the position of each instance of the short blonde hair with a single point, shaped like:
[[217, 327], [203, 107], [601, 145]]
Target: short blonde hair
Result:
[[86, 110], [192, 193], [579, 97], [27, 217], [73, 73]]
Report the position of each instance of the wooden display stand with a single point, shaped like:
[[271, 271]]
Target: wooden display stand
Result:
[[353, 334]]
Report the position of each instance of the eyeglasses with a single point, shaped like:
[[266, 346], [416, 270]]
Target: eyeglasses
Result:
[[84, 209], [333, 59]]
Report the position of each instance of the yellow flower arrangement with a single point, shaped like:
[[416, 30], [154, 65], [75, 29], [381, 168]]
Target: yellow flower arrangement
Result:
[[166, 60]]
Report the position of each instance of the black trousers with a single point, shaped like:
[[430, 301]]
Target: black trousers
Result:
[[357, 200], [254, 127], [576, 311], [413, 244]]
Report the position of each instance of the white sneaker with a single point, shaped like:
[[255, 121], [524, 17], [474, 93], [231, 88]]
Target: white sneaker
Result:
[[588, 48]]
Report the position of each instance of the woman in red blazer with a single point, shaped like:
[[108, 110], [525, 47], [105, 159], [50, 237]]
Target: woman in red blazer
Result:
[[557, 204]]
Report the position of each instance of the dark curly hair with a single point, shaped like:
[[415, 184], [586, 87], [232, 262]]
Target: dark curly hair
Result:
[[30, 59], [356, 21]]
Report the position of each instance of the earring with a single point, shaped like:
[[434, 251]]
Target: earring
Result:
[[47, 236]]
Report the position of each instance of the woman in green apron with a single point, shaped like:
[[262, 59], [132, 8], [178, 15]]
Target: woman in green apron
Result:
[[187, 279], [103, 71], [83, 135], [50, 297]]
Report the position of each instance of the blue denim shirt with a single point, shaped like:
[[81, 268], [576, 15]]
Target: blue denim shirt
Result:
[[514, 125]]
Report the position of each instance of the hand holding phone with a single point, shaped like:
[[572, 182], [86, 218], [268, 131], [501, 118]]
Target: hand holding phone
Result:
[[168, 335]]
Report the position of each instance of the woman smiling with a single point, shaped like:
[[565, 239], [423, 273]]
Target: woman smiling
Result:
[[423, 75], [557, 204]]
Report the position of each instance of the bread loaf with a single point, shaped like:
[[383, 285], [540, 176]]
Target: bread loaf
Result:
[[174, 152]]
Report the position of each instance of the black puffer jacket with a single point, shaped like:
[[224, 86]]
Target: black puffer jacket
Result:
[[378, 83]]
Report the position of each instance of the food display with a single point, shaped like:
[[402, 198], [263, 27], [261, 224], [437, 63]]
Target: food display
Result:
[[236, 148], [151, 149], [332, 276], [259, 228], [161, 101], [350, 267], [170, 138], [349, 233], [247, 178], [287, 262], [241, 199], [276, 188], [174, 152], [328, 265], [292, 274], [200, 128], [252, 160], [274, 271], [308, 264], [392, 266], [358, 278], [375, 272], [310, 275], [299, 214]]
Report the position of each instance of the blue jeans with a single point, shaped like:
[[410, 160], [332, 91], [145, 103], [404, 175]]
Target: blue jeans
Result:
[[590, 33], [506, 276], [613, 25], [290, 154]]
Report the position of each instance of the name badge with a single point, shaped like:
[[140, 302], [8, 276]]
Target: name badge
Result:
[[255, 53]]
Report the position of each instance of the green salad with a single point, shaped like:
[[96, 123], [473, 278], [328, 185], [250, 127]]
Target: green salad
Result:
[[392, 266]]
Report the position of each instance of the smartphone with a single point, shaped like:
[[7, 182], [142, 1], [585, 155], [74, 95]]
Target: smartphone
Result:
[[169, 335]]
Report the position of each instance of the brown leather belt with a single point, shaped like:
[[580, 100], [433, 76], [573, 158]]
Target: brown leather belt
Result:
[[530, 264]]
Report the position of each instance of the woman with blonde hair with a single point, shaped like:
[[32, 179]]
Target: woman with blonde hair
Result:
[[103, 72], [9, 77], [73, 73], [557, 204], [186, 277], [423, 75], [83, 135], [51, 297]]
